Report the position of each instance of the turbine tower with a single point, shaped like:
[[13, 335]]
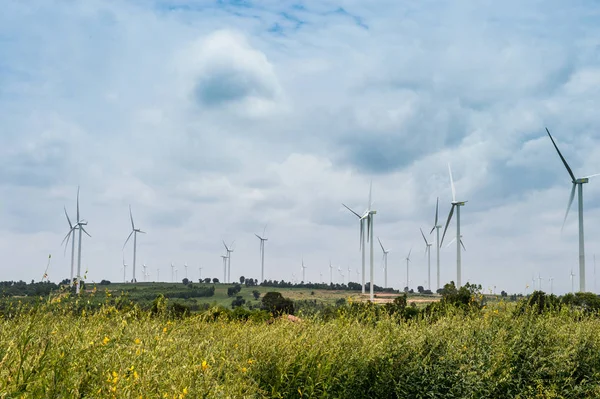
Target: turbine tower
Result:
[[124, 270], [407, 262], [551, 280], [385, 263], [172, 272], [572, 286], [200, 273], [70, 235], [577, 184], [229, 251], [262, 254], [330, 273], [437, 228], [225, 257], [145, 271], [303, 271], [79, 226], [134, 232], [185, 265], [428, 252], [455, 204]]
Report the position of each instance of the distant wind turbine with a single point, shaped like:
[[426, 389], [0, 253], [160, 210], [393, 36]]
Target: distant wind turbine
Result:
[[572, 286], [145, 271], [80, 223], [45, 276], [577, 183], [385, 262], [225, 257], [455, 204], [70, 235], [134, 232], [262, 253], [229, 250], [428, 252], [172, 272], [200, 272], [437, 228], [124, 270], [303, 271], [330, 273], [551, 279], [185, 265], [407, 262]]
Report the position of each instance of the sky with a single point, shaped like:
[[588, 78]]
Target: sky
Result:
[[214, 119]]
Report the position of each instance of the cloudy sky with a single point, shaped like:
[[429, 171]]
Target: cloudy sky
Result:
[[213, 119]]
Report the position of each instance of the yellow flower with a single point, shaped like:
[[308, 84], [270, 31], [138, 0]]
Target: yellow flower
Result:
[[105, 340], [114, 374], [204, 365], [185, 391], [138, 341], [250, 361], [165, 330], [136, 375], [244, 369]]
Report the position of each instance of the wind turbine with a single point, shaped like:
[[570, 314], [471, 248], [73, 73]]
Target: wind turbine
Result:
[[349, 273], [172, 272], [303, 271], [551, 279], [428, 251], [229, 251], [341, 274], [321, 275], [124, 270], [80, 223], [572, 286], [330, 273], [437, 228], [407, 262], [385, 263], [200, 272], [461, 243], [185, 265], [70, 235], [262, 254], [455, 204], [145, 271], [157, 274], [540, 279], [361, 220], [134, 232], [577, 183], [370, 214]]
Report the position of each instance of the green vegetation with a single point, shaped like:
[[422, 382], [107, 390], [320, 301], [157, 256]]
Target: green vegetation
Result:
[[106, 346]]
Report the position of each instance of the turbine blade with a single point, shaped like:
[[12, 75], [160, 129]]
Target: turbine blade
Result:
[[426, 243], [447, 223], [259, 237], [264, 230], [569, 205], [140, 231], [452, 183], [408, 257], [437, 206], [67, 215], [383, 249], [226, 248], [463, 245], [594, 175], [561, 156], [451, 241], [347, 207], [131, 217], [82, 229], [127, 240], [362, 234], [77, 203]]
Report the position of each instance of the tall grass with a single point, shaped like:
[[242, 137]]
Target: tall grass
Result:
[[50, 352]]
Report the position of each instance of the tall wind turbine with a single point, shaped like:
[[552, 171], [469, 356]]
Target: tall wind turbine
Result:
[[330, 273], [185, 265], [407, 262], [229, 250], [124, 270], [455, 204], [428, 252], [262, 254], [577, 183], [134, 232], [303, 271], [341, 274], [145, 271], [157, 274], [200, 273], [572, 286], [437, 228], [385, 263], [79, 225], [70, 235], [349, 274], [551, 279], [172, 272]]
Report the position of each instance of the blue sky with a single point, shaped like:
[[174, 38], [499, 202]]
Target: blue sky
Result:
[[214, 118]]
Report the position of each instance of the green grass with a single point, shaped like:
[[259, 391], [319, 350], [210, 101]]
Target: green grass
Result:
[[52, 353]]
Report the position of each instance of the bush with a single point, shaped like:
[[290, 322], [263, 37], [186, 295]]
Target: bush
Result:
[[275, 303]]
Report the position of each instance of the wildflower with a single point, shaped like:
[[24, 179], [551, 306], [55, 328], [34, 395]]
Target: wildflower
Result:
[[165, 330], [136, 375], [105, 340], [244, 369], [185, 391], [204, 365], [137, 341], [250, 361]]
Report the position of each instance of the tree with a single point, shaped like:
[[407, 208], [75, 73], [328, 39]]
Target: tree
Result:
[[503, 294], [215, 280], [104, 282], [185, 281], [207, 280], [275, 302], [242, 279], [256, 294], [420, 289], [237, 302]]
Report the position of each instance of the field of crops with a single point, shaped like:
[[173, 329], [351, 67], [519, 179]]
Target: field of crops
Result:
[[54, 351]]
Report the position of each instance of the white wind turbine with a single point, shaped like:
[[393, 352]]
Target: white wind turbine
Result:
[[455, 204], [134, 232], [185, 265], [572, 286], [321, 275], [349, 274], [341, 274], [407, 268], [437, 228], [229, 250], [385, 262], [262, 254], [330, 273], [577, 184], [172, 272], [303, 267], [551, 280], [157, 274], [70, 235], [124, 270], [428, 252], [361, 220], [200, 273], [145, 271], [79, 225]]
